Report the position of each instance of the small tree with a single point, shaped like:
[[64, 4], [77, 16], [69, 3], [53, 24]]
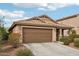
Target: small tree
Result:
[[3, 34], [14, 39]]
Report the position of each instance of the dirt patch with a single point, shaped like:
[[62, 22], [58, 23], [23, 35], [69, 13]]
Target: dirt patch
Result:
[[72, 45], [8, 50]]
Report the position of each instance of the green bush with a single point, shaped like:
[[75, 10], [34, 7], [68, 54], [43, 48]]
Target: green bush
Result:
[[73, 35], [70, 38], [76, 42], [77, 36], [24, 52], [62, 39], [3, 34], [65, 40], [14, 39]]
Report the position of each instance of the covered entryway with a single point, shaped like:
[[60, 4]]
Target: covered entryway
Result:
[[37, 35], [61, 32]]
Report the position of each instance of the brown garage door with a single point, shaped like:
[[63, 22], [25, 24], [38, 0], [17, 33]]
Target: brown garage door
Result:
[[34, 35]]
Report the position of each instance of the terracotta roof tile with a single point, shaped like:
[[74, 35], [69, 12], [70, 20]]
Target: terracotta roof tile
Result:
[[67, 17], [40, 21]]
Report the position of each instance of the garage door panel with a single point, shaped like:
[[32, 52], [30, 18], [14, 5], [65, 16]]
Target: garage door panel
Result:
[[32, 35]]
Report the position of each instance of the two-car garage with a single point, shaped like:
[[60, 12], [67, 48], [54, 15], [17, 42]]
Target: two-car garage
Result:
[[36, 35], [37, 29]]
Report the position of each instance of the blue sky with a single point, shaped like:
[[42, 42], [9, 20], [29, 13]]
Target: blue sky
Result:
[[18, 11]]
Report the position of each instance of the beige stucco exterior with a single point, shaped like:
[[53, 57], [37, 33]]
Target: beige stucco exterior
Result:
[[74, 22], [19, 29], [54, 34], [53, 31], [41, 22], [16, 29]]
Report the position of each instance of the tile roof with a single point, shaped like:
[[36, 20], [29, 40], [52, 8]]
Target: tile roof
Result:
[[40, 21], [68, 17]]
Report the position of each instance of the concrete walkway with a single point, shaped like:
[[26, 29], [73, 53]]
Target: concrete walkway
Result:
[[51, 49]]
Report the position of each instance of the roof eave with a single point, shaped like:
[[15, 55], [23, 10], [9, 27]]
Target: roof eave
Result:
[[64, 18], [60, 27]]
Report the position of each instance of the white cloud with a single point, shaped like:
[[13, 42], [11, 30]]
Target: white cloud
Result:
[[17, 14], [42, 6], [11, 16], [12, 13], [41, 1], [41, 9], [27, 5], [9, 21], [30, 5], [53, 6], [20, 18]]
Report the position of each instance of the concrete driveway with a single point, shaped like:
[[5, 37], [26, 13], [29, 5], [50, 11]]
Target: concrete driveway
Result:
[[51, 49]]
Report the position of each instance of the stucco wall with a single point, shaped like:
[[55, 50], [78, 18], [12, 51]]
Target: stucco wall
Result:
[[66, 32], [54, 34], [16, 29], [74, 22]]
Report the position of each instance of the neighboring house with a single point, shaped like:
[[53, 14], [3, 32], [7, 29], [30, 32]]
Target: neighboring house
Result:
[[38, 29], [72, 21]]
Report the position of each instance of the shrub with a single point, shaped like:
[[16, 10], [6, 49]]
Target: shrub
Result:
[[77, 36], [65, 40], [62, 39], [1, 46], [14, 39], [73, 35], [73, 32], [24, 52], [76, 42], [3, 34]]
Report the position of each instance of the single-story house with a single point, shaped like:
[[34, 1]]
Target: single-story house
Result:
[[72, 21], [39, 29]]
